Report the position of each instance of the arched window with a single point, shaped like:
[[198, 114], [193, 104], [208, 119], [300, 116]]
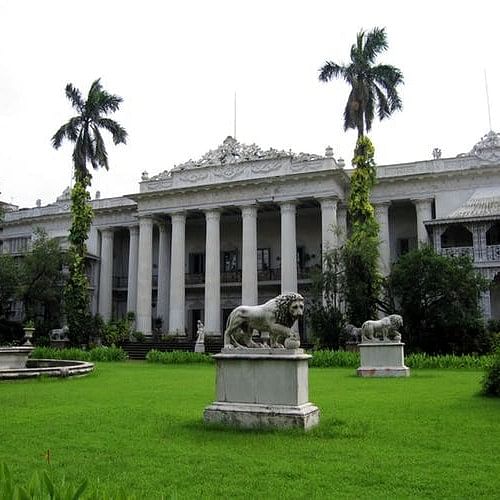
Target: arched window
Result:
[[493, 234], [456, 235]]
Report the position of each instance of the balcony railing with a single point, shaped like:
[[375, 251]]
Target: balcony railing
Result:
[[458, 251], [120, 282], [493, 253], [226, 277]]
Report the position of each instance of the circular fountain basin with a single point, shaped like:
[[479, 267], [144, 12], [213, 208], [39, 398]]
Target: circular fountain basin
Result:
[[47, 367]]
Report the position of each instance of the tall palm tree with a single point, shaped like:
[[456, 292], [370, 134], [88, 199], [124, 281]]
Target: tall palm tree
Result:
[[372, 86], [84, 128]]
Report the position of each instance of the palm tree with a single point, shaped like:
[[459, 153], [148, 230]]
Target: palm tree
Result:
[[84, 129], [372, 86]]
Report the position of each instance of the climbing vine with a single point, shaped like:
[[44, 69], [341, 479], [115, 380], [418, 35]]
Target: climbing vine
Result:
[[361, 252], [76, 292]]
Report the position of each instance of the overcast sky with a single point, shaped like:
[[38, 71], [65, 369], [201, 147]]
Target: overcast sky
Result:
[[178, 64]]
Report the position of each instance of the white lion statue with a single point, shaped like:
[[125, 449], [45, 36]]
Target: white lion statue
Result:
[[382, 329], [276, 316]]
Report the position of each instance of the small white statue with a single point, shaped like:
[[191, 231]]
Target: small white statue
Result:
[[385, 329], [200, 340], [276, 316], [200, 332]]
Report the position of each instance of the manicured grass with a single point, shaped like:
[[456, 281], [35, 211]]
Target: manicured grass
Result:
[[139, 426]]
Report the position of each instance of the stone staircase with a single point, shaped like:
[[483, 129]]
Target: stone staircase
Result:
[[138, 350]]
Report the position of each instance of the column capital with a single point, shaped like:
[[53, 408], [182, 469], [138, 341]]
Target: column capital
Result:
[[133, 229], [145, 219], [163, 225], [288, 206], [381, 207], [107, 232], [212, 214], [178, 217], [248, 211], [328, 201], [418, 202]]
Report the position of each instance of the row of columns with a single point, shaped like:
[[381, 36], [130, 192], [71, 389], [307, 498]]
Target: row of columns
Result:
[[423, 210], [171, 264]]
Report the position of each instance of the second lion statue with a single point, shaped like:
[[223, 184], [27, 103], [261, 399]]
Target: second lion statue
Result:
[[276, 316], [385, 329]]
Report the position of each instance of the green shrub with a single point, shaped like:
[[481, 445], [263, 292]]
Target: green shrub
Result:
[[43, 486], [117, 332], [95, 354], [177, 357], [491, 380], [139, 336], [108, 354], [346, 359], [331, 359], [423, 360]]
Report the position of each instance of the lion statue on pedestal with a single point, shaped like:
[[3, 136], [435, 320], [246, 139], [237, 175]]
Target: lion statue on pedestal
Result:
[[276, 316], [385, 329]]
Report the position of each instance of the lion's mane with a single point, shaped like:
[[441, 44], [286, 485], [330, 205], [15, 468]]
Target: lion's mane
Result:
[[283, 302]]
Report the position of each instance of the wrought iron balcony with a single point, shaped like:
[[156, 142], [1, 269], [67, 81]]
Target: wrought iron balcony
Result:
[[492, 253], [458, 252]]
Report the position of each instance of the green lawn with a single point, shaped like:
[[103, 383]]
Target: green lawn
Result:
[[140, 426]]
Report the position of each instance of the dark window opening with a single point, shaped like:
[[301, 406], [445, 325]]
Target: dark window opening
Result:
[[493, 235], [196, 263], [230, 261], [263, 259], [456, 235]]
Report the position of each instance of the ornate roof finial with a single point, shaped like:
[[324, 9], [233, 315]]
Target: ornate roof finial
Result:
[[488, 148]]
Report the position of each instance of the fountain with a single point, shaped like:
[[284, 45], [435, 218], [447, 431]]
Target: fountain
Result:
[[14, 364]]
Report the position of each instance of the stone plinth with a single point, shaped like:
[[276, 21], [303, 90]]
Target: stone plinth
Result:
[[262, 388], [382, 359]]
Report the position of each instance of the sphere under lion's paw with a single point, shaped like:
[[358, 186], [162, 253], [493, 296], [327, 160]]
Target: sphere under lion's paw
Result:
[[292, 343]]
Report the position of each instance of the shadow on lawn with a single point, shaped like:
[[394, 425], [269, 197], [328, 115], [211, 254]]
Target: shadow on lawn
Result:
[[329, 428]]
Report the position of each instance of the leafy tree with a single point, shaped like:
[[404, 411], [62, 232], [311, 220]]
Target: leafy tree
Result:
[[9, 277], [84, 130], [439, 299], [373, 87], [41, 281]]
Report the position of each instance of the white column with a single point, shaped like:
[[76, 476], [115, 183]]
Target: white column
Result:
[[133, 259], [342, 223], [106, 275], [212, 273], [163, 296], [249, 283], [177, 312], [382, 215], [486, 304], [423, 209], [329, 238], [145, 276], [288, 248]]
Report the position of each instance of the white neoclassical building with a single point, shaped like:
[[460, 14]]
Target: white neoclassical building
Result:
[[242, 225]]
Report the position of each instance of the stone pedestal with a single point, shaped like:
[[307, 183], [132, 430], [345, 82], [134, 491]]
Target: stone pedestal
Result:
[[262, 388], [14, 357], [382, 359], [199, 347]]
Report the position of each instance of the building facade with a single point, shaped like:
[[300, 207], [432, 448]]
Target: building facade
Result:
[[242, 225]]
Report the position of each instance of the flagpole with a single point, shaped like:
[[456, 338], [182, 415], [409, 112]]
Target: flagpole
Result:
[[234, 116], [487, 98]]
